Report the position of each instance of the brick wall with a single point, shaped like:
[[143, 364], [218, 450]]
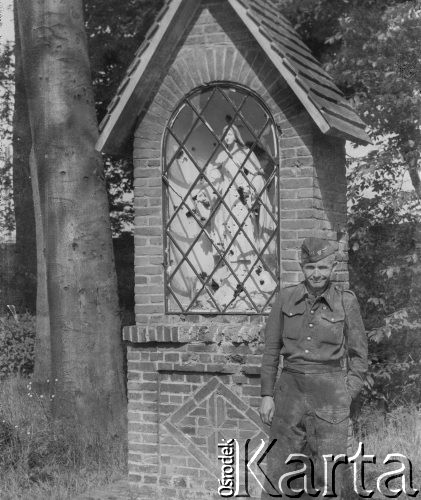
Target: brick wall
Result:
[[183, 399], [195, 379]]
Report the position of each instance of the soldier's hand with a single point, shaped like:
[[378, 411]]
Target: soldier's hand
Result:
[[267, 409]]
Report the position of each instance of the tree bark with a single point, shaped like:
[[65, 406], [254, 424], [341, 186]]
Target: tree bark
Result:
[[81, 280], [26, 268], [42, 377], [30, 244]]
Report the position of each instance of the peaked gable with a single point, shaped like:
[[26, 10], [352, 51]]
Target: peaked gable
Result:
[[316, 90]]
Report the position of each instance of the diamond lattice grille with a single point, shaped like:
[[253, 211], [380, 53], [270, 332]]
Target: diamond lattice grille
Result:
[[221, 203]]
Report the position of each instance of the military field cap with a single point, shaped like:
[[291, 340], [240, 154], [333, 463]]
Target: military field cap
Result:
[[315, 249]]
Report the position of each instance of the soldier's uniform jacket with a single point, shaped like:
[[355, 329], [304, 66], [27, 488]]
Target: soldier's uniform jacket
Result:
[[311, 331]]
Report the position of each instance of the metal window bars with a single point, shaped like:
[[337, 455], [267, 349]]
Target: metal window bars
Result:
[[226, 261]]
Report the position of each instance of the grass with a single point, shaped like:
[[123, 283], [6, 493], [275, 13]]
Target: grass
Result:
[[43, 459], [396, 432]]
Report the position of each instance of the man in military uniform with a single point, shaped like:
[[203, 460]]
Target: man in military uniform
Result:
[[318, 329]]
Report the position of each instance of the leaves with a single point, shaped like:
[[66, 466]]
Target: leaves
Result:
[[119, 180], [377, 301], [380, 273], [7, 219], [371, 50], [115, 30], [17, 336]]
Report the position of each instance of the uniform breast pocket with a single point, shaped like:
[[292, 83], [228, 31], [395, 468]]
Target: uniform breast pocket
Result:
[[332, 327], [293, 323]]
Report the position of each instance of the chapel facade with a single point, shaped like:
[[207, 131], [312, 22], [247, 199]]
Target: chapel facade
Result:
[[238, 142]]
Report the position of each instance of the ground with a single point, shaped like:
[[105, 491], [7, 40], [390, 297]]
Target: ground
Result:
[[116, 491]]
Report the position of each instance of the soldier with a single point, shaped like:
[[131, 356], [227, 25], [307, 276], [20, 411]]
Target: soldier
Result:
[[318, 329]]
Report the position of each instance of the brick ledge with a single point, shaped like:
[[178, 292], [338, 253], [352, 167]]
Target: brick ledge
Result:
[[193, 332]]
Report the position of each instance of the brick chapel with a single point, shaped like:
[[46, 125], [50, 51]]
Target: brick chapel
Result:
[[238, 143]]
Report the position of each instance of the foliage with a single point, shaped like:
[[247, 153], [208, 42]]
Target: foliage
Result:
[[6, 90], [375, 194], [45, 458], [371, 50], [381, 260], [7, 222], [115, 30], [17, 335], [119, 180], [7, 216], [379, 66]]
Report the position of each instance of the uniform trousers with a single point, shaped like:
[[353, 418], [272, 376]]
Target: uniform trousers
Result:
[[311, 417]]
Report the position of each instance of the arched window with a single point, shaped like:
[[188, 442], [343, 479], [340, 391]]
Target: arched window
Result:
[[220, 176]]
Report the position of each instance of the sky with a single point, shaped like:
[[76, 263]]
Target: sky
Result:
[[6, 21]]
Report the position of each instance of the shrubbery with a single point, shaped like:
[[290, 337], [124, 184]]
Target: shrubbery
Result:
[[382, 262], [17, 338]]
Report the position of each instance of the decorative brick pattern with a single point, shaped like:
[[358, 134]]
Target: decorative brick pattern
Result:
[[213, 414], [183, 399]]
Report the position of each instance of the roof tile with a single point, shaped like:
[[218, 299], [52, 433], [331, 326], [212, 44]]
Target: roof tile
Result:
[[123, 85], [162, 13], [142, 48], [133, 65], [308, 72], [152, 30]]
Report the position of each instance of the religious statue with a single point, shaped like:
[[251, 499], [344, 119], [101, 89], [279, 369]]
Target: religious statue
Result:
[[236, 206]]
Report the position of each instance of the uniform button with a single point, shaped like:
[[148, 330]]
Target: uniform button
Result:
[[306, 351], [324, 308], [289, 314], [333, 319], [312, 312], [308, 338], [310, 325], [334, 420]]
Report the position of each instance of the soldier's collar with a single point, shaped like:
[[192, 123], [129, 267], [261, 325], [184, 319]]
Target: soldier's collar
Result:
[[302, 293]]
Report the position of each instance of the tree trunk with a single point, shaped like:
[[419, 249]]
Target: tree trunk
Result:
[[26, 267], [30, 245], [42, 377], [81, 279]]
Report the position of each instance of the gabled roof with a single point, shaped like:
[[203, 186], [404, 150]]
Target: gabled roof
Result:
[[316, 90]]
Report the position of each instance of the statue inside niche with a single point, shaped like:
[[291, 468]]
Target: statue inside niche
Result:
[[236, 207]]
